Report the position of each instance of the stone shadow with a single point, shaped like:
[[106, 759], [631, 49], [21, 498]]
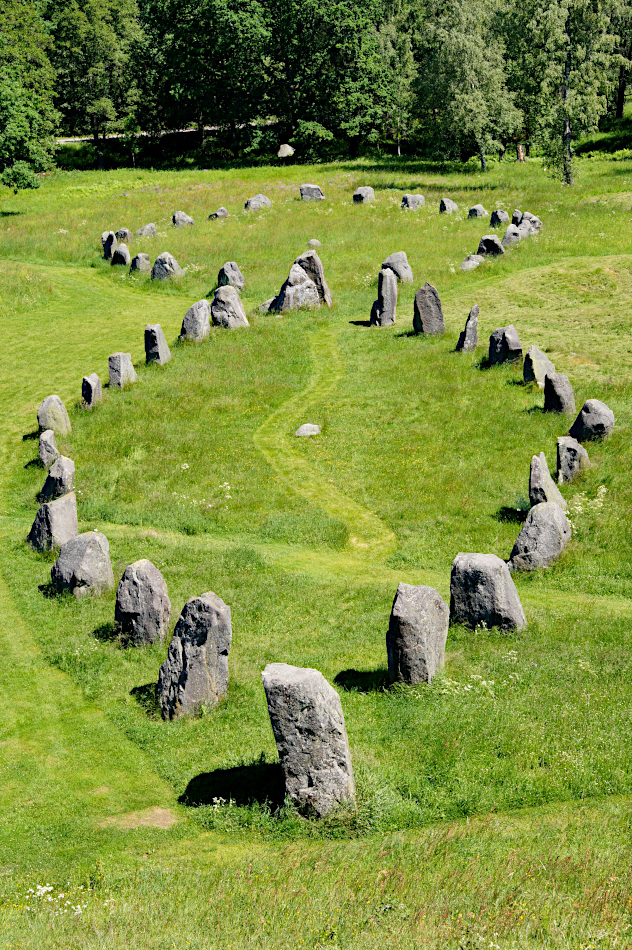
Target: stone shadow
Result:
[[31, 435], [363, 681], [511, 515], [145, 696], [107, 632], [258, 783], [360, 323]]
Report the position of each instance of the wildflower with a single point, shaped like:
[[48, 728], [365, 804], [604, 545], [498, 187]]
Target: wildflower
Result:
[[184, 466]]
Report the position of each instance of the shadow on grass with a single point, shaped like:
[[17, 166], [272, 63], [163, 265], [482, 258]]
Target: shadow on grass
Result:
[[534, 409], [511, 515], [360, 323], [363, 681], [48, 591], [107, 632], [31, 435], [258, 783], [146, 697], [10, 214], [34, 463]]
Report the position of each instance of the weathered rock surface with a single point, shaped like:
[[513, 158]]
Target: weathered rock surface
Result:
[[55, 523], [511, 236], [398, 263], [594, 421], [571, 459], [478, 211], [428, 314], [541, 485], [558, 393], [91, 390], [504, 345], [417, 634], [220, 213], [468, 339], [490, 244], [384, 309], [364, 194], [313, 267], [530, 222], [307, 429], [52, 414], [472, 261], [542, 538], [143, 607], [413, 202], [285, 151], [108, 243], [311, 737], [166, 267], [312, 193], [195, 673], [227, 310], [230, 276], [121, 256], [147, 230], [181, 219], [516, 217], [124, 234], [196, 325], [83, 566], [536, 366], [156, 346], [314, 242], [482, 592], [47, 448], [299, 290], [141, 264], [121, 370], [498, 217], [447, 206], [60, 479], [258, 202]]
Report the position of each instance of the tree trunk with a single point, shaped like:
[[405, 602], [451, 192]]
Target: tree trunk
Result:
[[354, 146], [483, 160], [520, 153], [501, 153]]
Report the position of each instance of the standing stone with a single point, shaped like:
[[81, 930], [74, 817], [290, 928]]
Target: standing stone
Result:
[[472, 261], [231, 276], [558, 393], [196, 325], [108, 242], [541, 485], [156, 346], [55, 523], [299, 290], [220, 213], [83, 566], [142, 607], [181, 219], [258, 202], [363, 194], [307, 429], [512, 236], [468, 339], [124, 234], [313, 267], [571, 459], [531, 221], [227, 310], [140, 263], [398, 263], [121, 256], [417, 634], [285, 151], [477, 211], [498, 217], [60, 479], [121, 370], [52, 414], [595, 421], [428, 315], [47, 448], [542, 538], [516, 217], [413, 202], [311, 193], [166, 267], [482, 591], [490, 244], [447, 206], [536, 366], [383, 312], [311, 737], [147, 230], [504, 345], [195, 673], [91, 390]]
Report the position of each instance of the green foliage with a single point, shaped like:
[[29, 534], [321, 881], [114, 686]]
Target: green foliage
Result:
[[19, 177]]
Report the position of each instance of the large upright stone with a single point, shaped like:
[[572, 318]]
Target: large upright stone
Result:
[[55, 523], [147, 230], [498, 217], [558, 393], [121, 370], [91, 391], [428, 315], [364, 194], [298, 291], [512, 236], [83, 566], [47, 448], [490, 244], [108, 243], [384, 310], [478, 211], [195, 673], [536, 365], [313, 267], [417, 634], [594, 421], [181, 219], [398, 263], [141, 264], [230, 276], [571, 459], [121, 256], [468, 339], [504, 345], [482, 592], [52, 414], [196, 324], [311, 737], [312, 193], [447, 206], [166, 267], [227, 310], [541, 485], [542, 538], [143, 607], [60, 479], [413, 202], [258, 202], [516, 217], [156, 346]]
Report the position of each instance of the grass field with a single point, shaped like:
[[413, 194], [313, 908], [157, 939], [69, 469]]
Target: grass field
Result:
[[494, 807]]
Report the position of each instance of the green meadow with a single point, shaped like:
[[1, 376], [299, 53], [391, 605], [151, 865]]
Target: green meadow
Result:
[[495, 805]]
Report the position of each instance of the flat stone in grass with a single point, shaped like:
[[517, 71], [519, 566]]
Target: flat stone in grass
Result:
[[478, 211], [307, 429], [313, 267], [166, 267], [108, 243], [91, 391], [398, 263], [83, 566], [140, 263], [536, 366], [558, 393], [541, 485], [413, 202], [383, 311], [472, 261], [511, 236], [364, 194], [227, 310], [298, 291], [498, 217], [311, 737], [490, 244], [311, 193], [47, 448], [121, 370], [124, 234], [571, 459], [594, 421], [482, 591], [258, 202], [181, 219], [196, 325], [468, 339], [195, 673], [504, 346], [230, 276], [55, 523], [147, 230], [417, 634], [52, 414], [428, 314], [314, 242], [542, 538], [220, 213], [143, 607], [60, 479], [156, 346], [121, 256]]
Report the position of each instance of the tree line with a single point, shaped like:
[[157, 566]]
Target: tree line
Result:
[[447, 78]]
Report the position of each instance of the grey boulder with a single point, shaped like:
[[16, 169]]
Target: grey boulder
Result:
[[52, 414], [121, 370], [307, 429], [417, 634], [230, 276], [83, 566], [571, 459], [311, 737], [472, 261], [490, 244], [258, 202], [541, 485], [298, 291], [124, 234], [55, 523], [504, 345], [512, 236], [196, 324], [313, 267], [498, 217], [428, 314], [468, 339], [60, 479], [364, 194], [530, 222], [536, 366], [447, 206], [227, 310], [156, 346], [482, 591], [516, 217], [285, 151], [147, 230], [477, 211], [220, 213], [558, 393], [314, 242], [121, 256], [413, 202], [398, 263], [594, 421], [195, 673], [143, 607], [542, 538], [384, 310], [108, 243], [140, 263], [166, 267], [311, 193], [181, 219], [91, 390], [47, 448]]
